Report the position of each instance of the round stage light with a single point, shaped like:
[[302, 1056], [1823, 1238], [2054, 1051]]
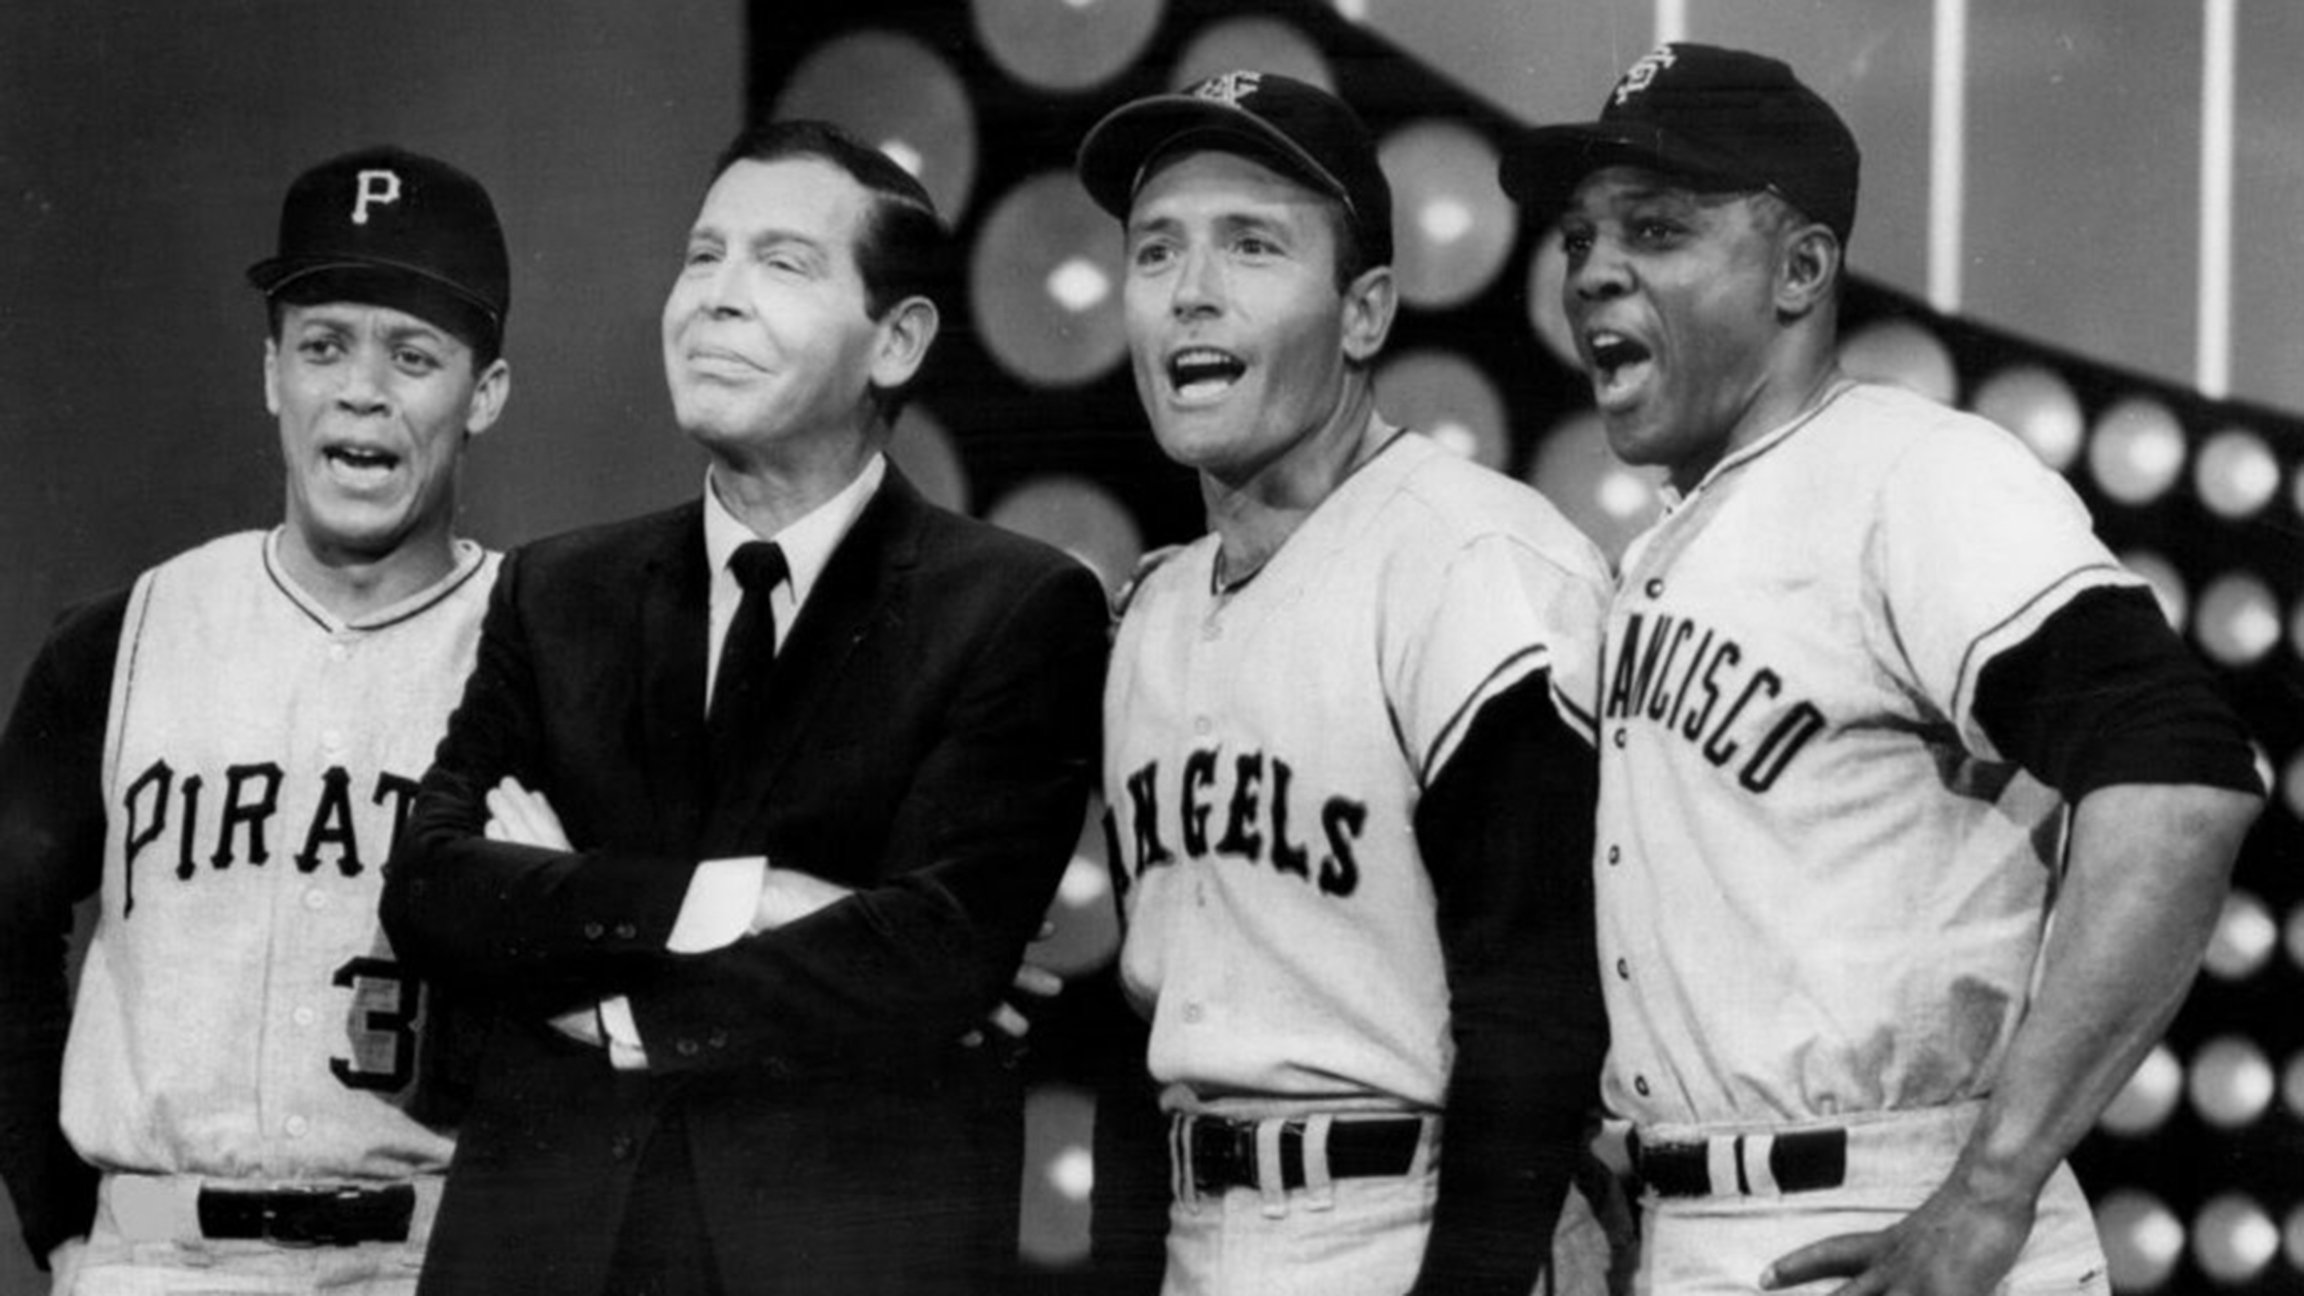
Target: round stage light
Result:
[[1452, 225], [1610, 500], [2236, 473], [1547, 273], [2038, 406], [1044, 282], [1065, 45], [924, 451], [2292, 1075], [1084, 919], [2167, 584], [1265, 44], [2137, 450], [892, 91], [1901, 352], [1059, 1173], [1449, 399], [2142, 1240], [1078, 517], [2244, 939], [2233, 1239], [2231, 1082], [2237, 621], [2144, 1103]]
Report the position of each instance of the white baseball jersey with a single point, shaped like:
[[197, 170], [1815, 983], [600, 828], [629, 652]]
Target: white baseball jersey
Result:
[[1821, 890], [1265, 751], [239, 1013]]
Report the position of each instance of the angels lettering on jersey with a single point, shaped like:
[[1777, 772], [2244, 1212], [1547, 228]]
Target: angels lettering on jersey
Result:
[[1246, 806], [1698, 685]]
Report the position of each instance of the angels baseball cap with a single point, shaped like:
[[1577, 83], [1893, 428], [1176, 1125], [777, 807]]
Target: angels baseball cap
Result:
[[1303, 131], [399, 229], [1716, 117]]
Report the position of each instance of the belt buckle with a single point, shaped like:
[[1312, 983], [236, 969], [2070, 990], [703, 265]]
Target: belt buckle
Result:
[[296, 1215], [1225, 1157]]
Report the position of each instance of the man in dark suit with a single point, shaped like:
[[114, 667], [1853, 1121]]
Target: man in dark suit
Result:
[[740, 841]]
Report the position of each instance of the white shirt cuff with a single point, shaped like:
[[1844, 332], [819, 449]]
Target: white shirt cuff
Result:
[[625, 1052], [723, 894]]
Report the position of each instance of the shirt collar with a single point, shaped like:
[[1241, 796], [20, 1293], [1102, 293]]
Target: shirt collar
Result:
[[807, 543], [1673, 497]]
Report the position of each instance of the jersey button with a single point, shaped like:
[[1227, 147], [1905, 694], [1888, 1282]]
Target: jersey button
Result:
[[1615, 853], [339, 651], [1655, 588], [315, 899], [594, 931], [626, 931], [296, 1126], [305, 1016], [1201, 725], [1193, 1012], [1624, 969], [687, 1048], [1640, 1085]]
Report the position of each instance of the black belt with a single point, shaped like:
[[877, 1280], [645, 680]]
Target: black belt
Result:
[[1222, 1152], [1798, 1160], [315, 1216]]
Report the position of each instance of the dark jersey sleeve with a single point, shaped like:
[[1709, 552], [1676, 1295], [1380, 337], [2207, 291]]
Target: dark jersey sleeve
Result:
[[51, 857], [2104, 692], [1506, 832]]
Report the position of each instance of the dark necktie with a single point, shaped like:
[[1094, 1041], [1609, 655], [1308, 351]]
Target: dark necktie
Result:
[[740, 695]]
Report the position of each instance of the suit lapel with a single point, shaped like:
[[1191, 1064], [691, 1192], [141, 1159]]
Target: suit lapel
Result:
[[675, 610], [860, 593]]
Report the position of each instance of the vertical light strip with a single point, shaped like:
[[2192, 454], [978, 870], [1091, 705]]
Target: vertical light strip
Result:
[[2213, 366], [1671, 20], [1947, 155]]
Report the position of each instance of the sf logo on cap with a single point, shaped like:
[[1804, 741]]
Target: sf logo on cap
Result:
[[1637, 77], [379, 187], [1230, 88]]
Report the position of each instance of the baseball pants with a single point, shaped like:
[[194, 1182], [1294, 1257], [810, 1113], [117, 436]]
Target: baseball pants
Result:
[[1716, 1244], [146, 1241], [1361, 1236]]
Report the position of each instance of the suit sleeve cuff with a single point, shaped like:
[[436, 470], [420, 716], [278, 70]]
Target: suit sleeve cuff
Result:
[[622, 1034]]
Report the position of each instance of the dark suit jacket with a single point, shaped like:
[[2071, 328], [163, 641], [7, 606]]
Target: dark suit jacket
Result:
[[931, 738]]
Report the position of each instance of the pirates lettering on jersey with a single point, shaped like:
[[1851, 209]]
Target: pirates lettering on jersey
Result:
[[1696, 683], [240, 828], [1246, 808]]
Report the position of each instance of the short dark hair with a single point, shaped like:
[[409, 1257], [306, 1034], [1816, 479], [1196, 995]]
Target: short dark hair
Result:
[[903, 248]]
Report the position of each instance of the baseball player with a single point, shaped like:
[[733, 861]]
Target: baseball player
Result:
[[223, 753], [1346, 750], [1876, 703]]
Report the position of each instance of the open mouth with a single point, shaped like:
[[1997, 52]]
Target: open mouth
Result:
[[363, 460], [1203, 373], [1619, 363]]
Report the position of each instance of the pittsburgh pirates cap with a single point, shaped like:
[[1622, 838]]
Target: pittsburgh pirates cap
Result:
[[1714, 116], [1302, 130], [398, 229]]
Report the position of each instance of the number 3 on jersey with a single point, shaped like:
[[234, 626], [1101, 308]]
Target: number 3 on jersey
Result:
[[385, 1002]]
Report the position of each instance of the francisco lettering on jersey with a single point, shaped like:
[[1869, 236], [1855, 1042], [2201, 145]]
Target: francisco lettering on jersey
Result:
[[1248, 808], [161, 804], [1696, 683]]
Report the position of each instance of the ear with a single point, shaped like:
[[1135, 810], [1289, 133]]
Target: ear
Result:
[[906, 332], [1370, 302], [1810, 270], [488, 397], [272, 376]]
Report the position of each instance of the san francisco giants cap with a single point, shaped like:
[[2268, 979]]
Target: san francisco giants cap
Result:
[[399, 229], [1300, 129], [1719, 118]]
